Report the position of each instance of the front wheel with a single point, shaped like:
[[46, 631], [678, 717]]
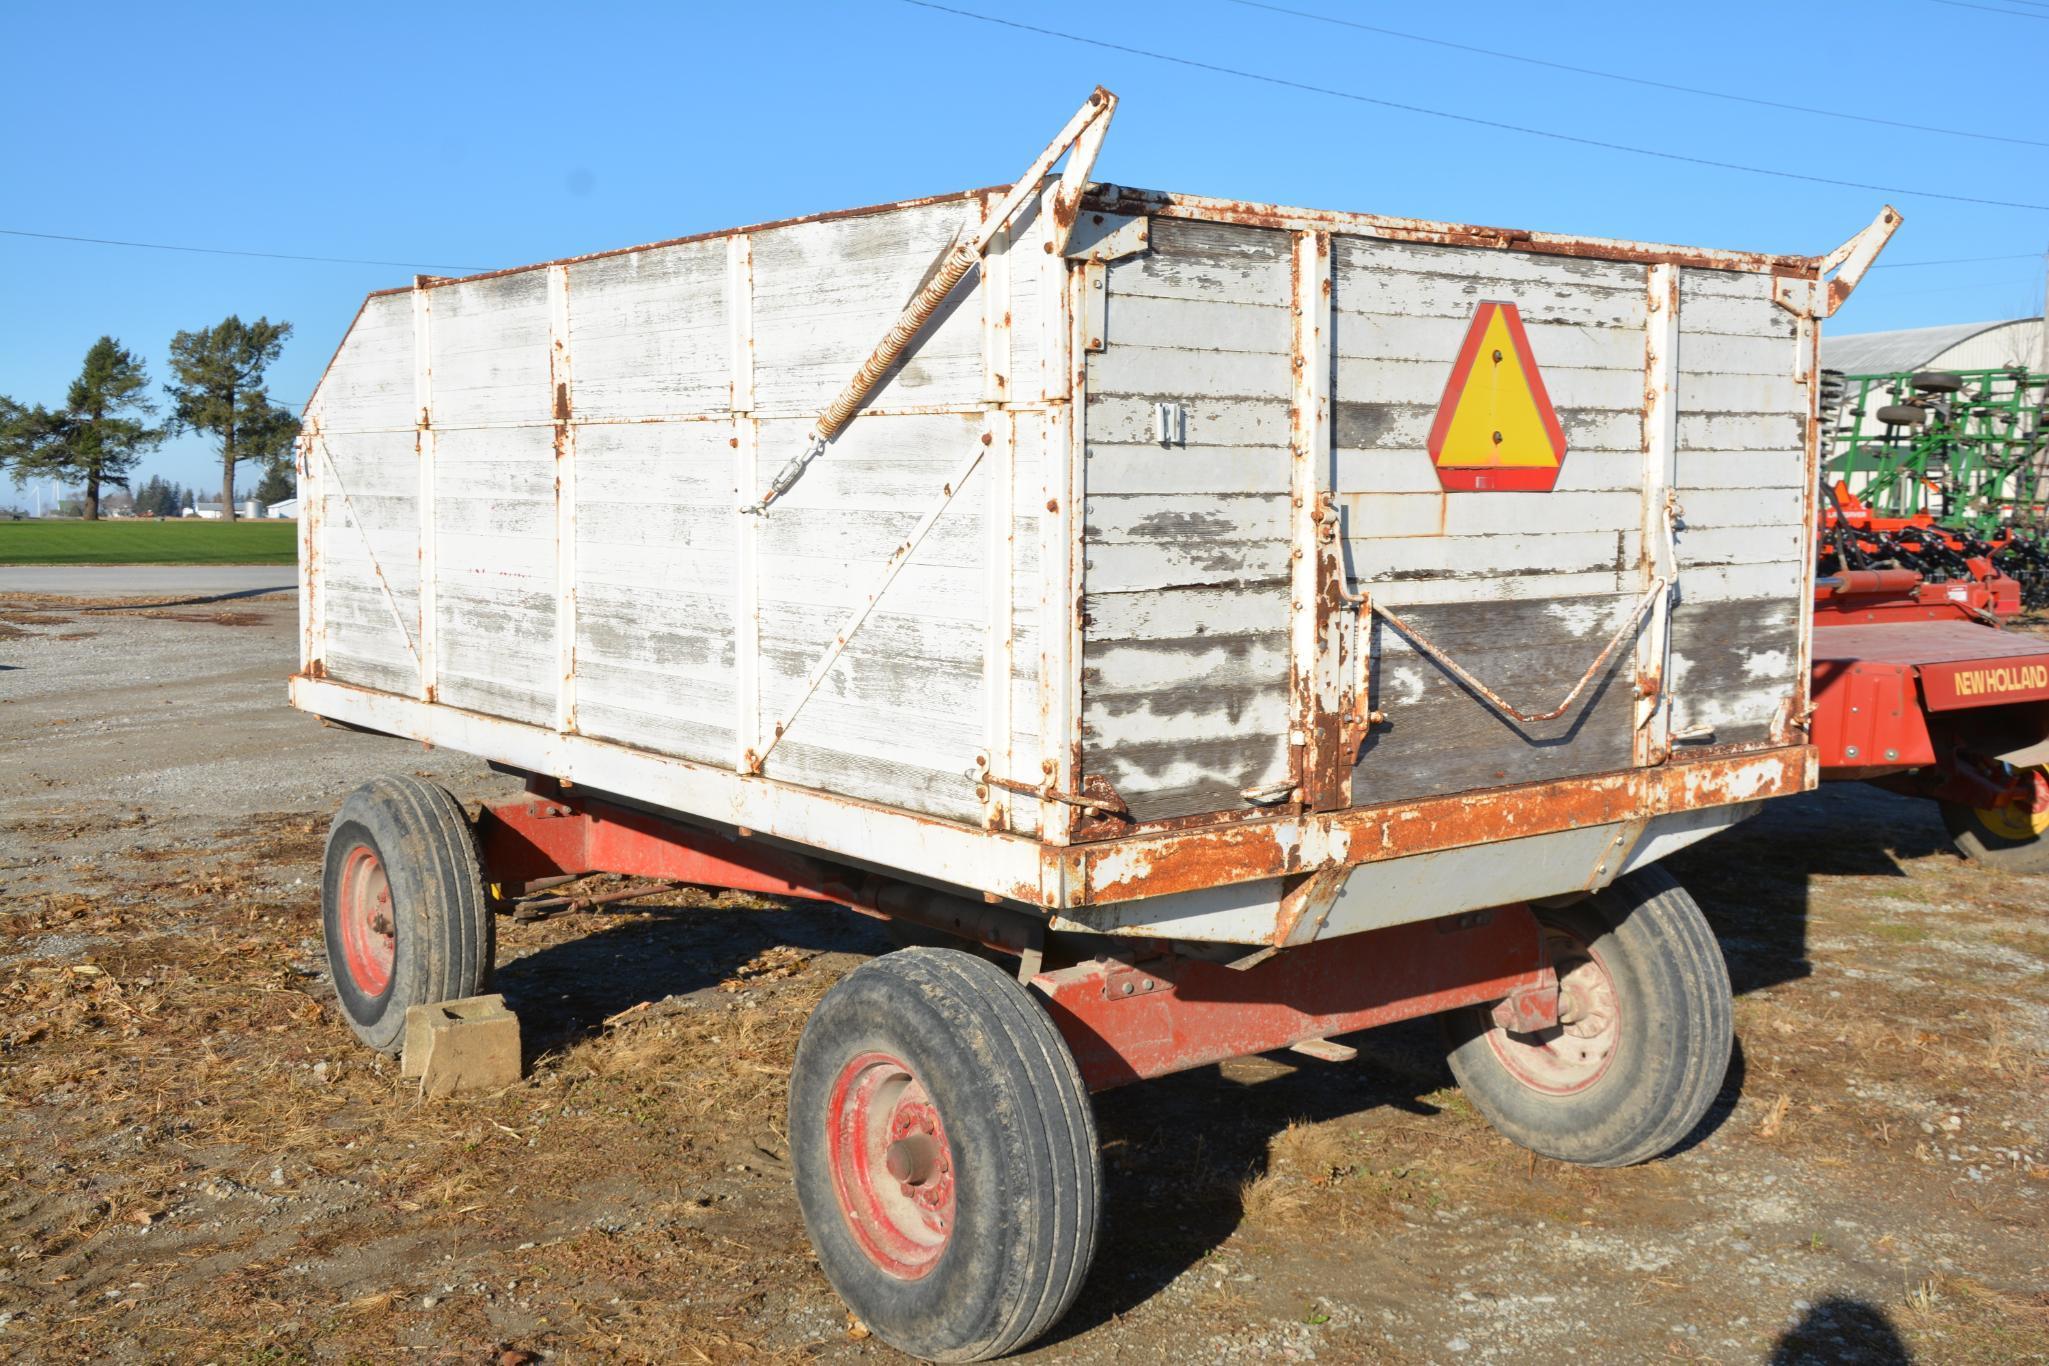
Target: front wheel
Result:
[[1646, 1025], [2003, 837], [945, 1155], [402, 906]]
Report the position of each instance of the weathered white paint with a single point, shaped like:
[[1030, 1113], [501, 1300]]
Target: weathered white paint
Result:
[[1088, 600]]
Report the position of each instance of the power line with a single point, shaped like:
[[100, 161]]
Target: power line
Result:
[[1635, 80], [2010, 13], [1357, 98], [1959, 260], [226, 251]]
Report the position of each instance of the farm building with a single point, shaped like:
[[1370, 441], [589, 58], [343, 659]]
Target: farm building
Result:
[[1951, 346]]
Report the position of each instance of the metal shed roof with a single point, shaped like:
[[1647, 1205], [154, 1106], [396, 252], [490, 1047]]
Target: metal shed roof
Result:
[[1879, 353]]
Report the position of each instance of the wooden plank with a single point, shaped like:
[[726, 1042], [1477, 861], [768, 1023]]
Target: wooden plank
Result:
[[1375, 515], [1406, 426], [1203, 518], [1440, 738], [650, 332], [1484, 265], [1239, 608], [1422, 381], [1567, 345], [1734, 666], [490, 351], [1213, 424]]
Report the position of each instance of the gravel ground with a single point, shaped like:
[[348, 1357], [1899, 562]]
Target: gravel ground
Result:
[[198, 1163]]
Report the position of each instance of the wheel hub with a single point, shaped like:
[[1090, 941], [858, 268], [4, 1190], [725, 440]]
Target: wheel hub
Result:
[[369, 932], [891, 1164], [1575, 1054]]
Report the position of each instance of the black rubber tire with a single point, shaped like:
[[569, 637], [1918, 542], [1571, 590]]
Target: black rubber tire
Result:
[[1902, 415], [1937, 382], [1676, 1031], [1980, 844], [445, 936], [1022, 1136]]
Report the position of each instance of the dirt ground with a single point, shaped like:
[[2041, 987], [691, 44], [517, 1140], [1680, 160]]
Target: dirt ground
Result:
[[198, 1163]]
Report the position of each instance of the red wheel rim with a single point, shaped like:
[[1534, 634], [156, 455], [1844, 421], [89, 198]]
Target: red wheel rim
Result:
[[369, 926], [892, 1167], [1575, 1054]]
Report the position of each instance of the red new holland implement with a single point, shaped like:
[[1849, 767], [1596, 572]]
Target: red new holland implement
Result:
[[1248, 624], [1919, 689]]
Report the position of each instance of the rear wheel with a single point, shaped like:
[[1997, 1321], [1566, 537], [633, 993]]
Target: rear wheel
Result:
[[945, 1155], [2003, 837], [402, 906], [1644, 1035]]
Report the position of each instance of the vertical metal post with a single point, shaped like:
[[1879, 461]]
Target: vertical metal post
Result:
[[307, 487], [1807, 345], [1319, 618], [561, 391], [998, 518], [423, 447], [1653, 712], [1061, 579], [746, 442]]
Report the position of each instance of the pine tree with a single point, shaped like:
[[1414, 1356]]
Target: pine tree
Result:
[[96, 438], [221, 392]]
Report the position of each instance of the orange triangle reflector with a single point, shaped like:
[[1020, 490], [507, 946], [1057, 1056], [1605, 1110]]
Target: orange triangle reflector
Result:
[[1495, 427]]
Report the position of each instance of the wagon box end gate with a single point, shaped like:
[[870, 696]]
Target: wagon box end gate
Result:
[[1258, 623]]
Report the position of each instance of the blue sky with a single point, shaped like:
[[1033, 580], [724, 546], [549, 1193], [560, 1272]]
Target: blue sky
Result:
[[454, 135]]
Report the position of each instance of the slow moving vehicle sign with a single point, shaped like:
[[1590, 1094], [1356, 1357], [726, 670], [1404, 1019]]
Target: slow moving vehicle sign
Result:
[[1495, 427]]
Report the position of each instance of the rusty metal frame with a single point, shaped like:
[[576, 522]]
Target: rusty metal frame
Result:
[[1054, 876], [1822, 298], [1322, 628], [1651, 739]]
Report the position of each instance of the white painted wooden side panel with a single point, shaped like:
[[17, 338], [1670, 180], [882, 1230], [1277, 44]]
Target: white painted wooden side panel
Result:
[[1186, 662], [494, 563], [489, 356], [824, 294], [1736, 634], [653, 420], [369, 386], [648, 330]]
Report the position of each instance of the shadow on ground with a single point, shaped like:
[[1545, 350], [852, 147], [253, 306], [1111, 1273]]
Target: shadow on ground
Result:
[[1179, 1151]]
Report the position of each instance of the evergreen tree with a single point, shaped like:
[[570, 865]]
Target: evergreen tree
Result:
[[97, 437], [279, 483], [221, 392]]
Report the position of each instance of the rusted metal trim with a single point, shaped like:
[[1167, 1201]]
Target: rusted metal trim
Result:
[[1424, 645], [562, 403], [999, 520], [1321, 627], [1651, 737], [1124, 199], [310, 642], [1145, 864], [1849, 261]]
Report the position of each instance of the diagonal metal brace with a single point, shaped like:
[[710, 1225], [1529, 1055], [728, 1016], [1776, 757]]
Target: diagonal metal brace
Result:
[[1084, 132]]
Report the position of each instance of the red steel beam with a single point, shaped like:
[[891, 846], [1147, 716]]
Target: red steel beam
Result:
[[1127, 1022]]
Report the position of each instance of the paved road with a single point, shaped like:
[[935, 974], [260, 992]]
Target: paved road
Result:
[[113, 580]]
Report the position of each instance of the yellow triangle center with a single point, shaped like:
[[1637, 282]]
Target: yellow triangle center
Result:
[[1496, 419]]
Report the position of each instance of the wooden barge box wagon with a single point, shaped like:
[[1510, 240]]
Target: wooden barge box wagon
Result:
[[1243, 624]]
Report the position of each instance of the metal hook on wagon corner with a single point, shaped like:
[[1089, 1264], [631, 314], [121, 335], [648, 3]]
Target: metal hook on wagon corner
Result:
[[1084, 133], [1426, 647]]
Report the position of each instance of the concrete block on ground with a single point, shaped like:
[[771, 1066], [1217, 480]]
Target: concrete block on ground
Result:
[[460, 1047]]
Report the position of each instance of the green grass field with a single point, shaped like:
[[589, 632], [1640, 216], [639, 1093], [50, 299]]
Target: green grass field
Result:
[[190, 541]]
